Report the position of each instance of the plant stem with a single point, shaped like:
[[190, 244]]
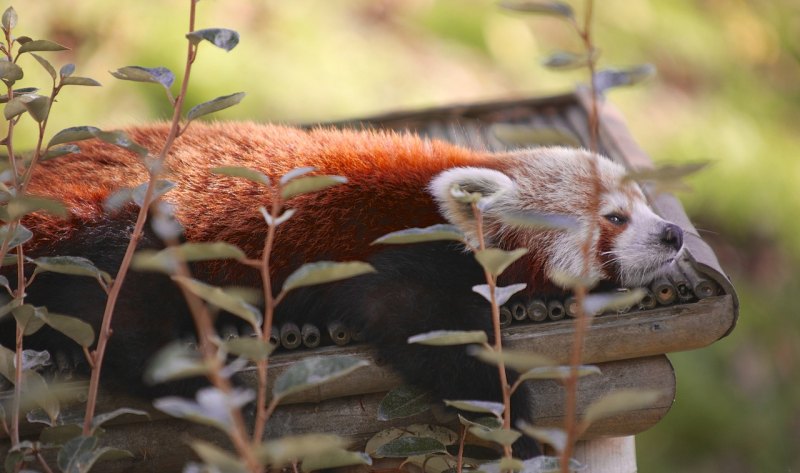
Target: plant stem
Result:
[[116, 286], [460, 458], [583, 320], [491, 281], [262, 412]]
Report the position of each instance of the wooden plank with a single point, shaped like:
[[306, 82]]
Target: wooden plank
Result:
[[611, 337], [160, 444]]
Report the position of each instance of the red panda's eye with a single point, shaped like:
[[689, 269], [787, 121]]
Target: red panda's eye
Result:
[[616, 219]]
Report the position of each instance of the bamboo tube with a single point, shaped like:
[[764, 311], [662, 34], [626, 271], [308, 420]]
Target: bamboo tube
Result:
[[505, 317], [310, 335], [555, 310], [519, 312], [649, 301], [664, 291], [537, 310], [338, 332], [702, 287], [571, 306], [290, 336]]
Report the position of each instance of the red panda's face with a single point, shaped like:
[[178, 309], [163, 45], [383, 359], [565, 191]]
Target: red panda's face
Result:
[[631, 246]]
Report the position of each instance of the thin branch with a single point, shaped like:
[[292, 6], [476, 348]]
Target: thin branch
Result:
[[262, 413], [491, 281], [583, 320]]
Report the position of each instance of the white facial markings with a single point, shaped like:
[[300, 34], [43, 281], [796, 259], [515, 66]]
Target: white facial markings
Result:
[[558, 181], [637, 252]]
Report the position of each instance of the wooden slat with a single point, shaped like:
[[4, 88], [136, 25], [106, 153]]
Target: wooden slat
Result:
[[611, 337], [159, 445]]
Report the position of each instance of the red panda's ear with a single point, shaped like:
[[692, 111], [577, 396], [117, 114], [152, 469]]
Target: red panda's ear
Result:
[[446, 185]]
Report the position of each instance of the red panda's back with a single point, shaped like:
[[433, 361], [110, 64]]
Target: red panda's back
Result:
[[387, 174]]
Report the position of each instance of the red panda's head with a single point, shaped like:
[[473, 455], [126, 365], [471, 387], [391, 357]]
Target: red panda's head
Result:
[[633, 244]]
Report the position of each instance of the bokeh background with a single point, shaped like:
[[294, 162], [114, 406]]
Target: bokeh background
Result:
[[727, 90]]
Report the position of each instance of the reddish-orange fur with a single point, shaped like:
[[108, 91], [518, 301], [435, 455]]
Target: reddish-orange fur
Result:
[[387, 174]]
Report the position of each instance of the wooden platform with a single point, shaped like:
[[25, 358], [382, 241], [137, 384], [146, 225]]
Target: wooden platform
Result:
[[628, 347]]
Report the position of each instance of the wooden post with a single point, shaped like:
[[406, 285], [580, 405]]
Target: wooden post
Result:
[[607, 455]]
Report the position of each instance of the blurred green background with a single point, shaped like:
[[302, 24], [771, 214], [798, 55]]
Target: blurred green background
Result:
[[728, 90]]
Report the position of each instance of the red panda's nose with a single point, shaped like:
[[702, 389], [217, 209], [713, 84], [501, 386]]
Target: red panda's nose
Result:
[[672, 236]]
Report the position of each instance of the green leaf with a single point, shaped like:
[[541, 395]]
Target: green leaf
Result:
[[61, 151], [18, 92], [26, 318], [335, 458], [9, 306], [409, 446], [10, 72], [38, 106], [215, 105], [314, 371], [295, 173], [66, 70], [418, 235], [71, 134], [495, 260], [74, 328], [598, 303], [610, 78], [21, 235], [404, 401], [512, 464], [155, 75], [307, 184], [501, 294], [291, 448], [21, 206], [217, 458], [277, 221], [213, 407], [166, 260], [74, 265], [174, 361], [60, 434], [71, 454], [503, 437], [9, 19], [41, 45], [243, 172], [121, 139], [14, 107], [559, 9], [221, 298], [620, 401], [46, 65], [81, 453], [323, 272], [562, 60], [518, 360], [220, 37], [101, 419], [491, 423], [87, 81], [482, 407], [208, 251], [558, 372], [556, 438], [162, 186], [449, 337], [251, 348]]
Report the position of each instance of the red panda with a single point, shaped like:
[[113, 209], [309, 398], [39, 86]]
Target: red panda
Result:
[[395, 181]]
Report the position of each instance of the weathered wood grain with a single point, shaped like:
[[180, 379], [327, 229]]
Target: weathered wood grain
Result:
[[161, 444]]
